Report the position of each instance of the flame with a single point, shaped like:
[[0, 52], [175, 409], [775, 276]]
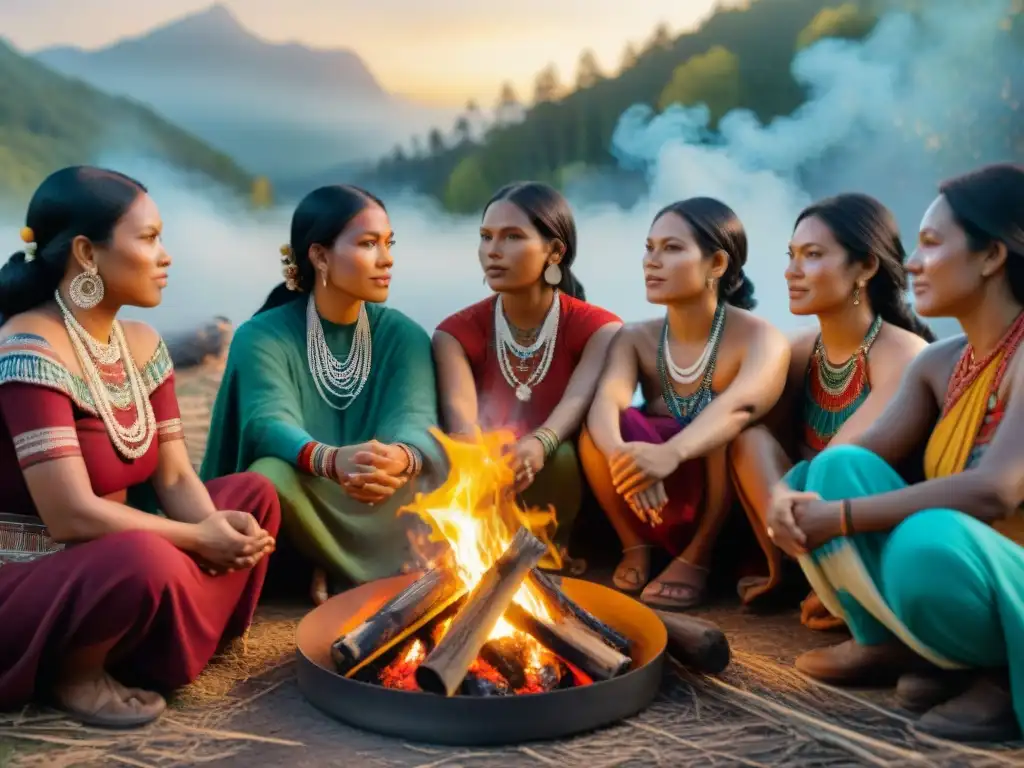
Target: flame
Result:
[[476, 513]]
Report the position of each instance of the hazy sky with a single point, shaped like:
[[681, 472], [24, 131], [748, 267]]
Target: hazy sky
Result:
[[441, 50]]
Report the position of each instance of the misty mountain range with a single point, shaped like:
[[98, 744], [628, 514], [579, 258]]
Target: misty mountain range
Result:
[[280, 109]]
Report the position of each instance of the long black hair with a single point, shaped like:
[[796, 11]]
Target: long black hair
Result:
[[716, 227], [550, 214], [988, 204], [78, 201], [864, 227], [319, 219]]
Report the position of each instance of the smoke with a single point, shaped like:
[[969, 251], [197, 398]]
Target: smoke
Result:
[[920, 99]]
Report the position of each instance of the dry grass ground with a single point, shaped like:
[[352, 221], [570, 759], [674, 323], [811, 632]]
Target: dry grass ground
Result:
[[246, 709]]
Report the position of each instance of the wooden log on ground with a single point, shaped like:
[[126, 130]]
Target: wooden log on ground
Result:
[[398, 618], [696, 643], [568, 637], [445, 668], [561, 604]]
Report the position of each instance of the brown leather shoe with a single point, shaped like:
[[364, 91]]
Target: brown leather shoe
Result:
[[920, 691], [851, 663], [984, 712]]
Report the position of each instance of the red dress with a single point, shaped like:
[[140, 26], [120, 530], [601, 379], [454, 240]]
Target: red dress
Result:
[[498, 406], [163, 615]]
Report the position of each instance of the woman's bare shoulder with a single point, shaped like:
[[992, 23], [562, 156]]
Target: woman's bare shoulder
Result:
[[143, 340], [897, 346], [753, 328]]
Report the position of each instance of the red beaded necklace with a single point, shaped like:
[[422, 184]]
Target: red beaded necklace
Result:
[[968, 369]]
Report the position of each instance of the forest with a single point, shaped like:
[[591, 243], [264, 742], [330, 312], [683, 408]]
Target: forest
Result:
[[729, 61], [48, 121]]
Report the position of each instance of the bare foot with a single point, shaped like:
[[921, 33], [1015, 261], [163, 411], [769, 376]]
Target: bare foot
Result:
[[318, 588], [814, 615], [98, 699], [634, 569]]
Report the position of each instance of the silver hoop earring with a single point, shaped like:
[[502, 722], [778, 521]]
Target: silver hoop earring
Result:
[[553, 274], [86, 289]]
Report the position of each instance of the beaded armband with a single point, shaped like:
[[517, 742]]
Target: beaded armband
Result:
[[168, 430], [319, 460], [548, 438], [415, 458], [39, 445]]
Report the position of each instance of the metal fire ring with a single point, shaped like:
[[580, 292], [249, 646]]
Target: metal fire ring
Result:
[[476, 720]]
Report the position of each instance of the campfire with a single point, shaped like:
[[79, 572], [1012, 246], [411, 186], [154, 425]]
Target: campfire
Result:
[[482, 620]]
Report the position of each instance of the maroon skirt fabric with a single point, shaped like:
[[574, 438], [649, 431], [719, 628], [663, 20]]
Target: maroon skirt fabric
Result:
[[164, 617], [684, 487]]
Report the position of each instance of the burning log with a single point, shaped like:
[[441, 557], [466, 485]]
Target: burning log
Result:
[[561, 604], [445, 668], [400, 617], [508, 656], [569, 638], [696, 643]]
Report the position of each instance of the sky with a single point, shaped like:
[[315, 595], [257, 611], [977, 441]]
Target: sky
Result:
[[440, 51]]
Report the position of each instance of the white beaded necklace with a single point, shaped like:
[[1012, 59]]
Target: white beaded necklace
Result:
[[696, 371], [506, 342], [343, 380], [134, 440]]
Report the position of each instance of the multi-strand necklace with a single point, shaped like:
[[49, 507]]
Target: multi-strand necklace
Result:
[[833, 392], [507, 344], [685, 408], [133, 440], [968, 368], [333, 379]]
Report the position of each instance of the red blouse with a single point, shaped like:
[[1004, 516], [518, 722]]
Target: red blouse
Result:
[[48, 413], [499, 408]]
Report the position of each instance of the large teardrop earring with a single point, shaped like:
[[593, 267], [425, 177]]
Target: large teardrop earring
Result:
[[553, 275], [86, 288]]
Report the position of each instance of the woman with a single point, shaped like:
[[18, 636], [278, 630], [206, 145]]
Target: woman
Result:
[[933, 572], [111, 597], [846, 266], [330, 394], [528, 359], [659, 472]]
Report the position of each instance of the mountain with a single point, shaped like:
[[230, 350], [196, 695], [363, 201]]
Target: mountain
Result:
[[48, 121], [279, 108]]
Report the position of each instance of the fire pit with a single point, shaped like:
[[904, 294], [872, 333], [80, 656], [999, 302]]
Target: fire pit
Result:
[[481, 647], [467, 719]]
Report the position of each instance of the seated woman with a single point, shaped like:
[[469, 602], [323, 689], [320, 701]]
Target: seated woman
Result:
[[931, 574], [659, 471], [111, 596], [846, 266], [528, 359], [330, 394]]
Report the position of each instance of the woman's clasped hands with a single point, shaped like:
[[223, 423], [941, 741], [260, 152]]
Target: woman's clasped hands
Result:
[[799, 521], [638, 473], [230, 540], [372, 472]]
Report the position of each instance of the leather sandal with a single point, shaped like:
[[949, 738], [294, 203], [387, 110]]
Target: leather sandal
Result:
[[631, 579], [984, 712], [153, 705], [657, 593]]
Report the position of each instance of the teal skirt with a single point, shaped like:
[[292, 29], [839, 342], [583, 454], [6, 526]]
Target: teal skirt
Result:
[[947, 585]]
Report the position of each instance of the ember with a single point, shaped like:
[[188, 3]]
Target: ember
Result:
[[482, 621]]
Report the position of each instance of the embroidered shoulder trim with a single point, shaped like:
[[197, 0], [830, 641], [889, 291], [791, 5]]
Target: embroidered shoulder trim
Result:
[[26, 358], [158, 368]]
